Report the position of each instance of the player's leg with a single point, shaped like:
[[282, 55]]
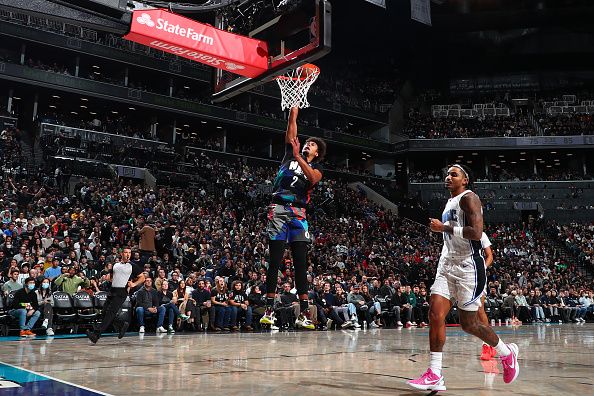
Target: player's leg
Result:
[[114, 302], [299, 239], [470, 283], [277, 230], [488, 351], [439, 307]]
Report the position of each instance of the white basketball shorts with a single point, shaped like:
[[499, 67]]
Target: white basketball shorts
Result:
[[461, 280]]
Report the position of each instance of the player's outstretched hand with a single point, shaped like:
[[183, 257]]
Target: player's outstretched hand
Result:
[[435, 225], [296, 146]]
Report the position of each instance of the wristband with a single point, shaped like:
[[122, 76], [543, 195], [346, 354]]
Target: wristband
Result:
[[458, 232]]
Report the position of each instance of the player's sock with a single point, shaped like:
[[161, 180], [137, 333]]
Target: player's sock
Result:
[[303, 305], [436, 363], [502, 349], [269, 302]]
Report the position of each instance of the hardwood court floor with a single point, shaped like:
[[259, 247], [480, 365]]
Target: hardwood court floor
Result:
[[554, 360]]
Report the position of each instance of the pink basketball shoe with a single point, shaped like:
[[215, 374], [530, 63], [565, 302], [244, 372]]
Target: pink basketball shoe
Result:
[[428, 381], [511, 368]]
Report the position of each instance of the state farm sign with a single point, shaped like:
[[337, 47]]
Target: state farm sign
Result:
[[184, 37]]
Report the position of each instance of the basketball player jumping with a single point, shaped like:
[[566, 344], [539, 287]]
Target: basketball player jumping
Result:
[[460, 277], [287, 222], [121, 276]]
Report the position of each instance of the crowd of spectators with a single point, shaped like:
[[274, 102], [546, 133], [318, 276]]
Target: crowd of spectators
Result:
[[508, 174], [567, 124], [532, 279], [217, 232], [424, 126]]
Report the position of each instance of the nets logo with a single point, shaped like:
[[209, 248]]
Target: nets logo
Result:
[[162, 24]]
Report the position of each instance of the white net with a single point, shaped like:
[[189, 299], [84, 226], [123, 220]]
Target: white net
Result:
[[295, 84]]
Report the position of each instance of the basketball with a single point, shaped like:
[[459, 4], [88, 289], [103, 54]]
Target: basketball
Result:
[[307, 70]]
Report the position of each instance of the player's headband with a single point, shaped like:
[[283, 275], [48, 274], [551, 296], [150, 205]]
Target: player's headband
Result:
[[462, 169]]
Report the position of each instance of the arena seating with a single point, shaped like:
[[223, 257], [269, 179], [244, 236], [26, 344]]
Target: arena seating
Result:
[[223, 216]]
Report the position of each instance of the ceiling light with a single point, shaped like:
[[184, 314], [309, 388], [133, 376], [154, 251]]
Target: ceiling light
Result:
[[474, 153], [460, 156], [513, 162], [52, 106], [569, 154], [73, 112], [96, 67], [186, 125], [557, 160], [363, 152], [502, 161], [203, 122], [84, 99], [186, 87], [16, 98], [469, 162], [549, 166], [522, 159], [131, 108], [522, 153], [219, 127], [83, 106], [553, 152], [539, 159], [501, 155], [55, 96], [114, 112], [92, 112], [363, 158], [96, 73]]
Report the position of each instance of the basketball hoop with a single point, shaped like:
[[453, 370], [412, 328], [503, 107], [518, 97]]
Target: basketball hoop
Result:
[[295, 84]]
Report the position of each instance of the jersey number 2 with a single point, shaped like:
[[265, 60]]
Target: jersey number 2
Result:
[[295, 180]]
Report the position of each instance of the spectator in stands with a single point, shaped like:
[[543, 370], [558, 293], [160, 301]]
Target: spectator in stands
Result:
[[203, 305], [44, 301], [401, 307], [240, 307], [167, 300], [13, 284], [535, 308], [219, 297], [54, 271], [184, 304], [522, 308], [374, 308], [69, 282], [147, 304], [24, 305]]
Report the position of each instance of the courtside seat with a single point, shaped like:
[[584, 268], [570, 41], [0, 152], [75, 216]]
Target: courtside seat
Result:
[[64, 313], [84, 307]]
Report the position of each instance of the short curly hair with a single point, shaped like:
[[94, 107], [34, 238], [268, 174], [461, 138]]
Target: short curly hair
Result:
[[321, 148]]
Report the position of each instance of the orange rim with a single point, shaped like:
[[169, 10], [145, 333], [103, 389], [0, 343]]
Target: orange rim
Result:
[[314, 70]]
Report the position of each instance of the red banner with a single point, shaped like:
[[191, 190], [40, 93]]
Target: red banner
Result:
[[199, 42]]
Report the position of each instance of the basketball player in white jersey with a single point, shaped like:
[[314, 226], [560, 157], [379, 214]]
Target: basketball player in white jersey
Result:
[[460, 278]]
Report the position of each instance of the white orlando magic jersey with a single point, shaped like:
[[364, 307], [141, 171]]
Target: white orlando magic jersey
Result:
[[454, 216]]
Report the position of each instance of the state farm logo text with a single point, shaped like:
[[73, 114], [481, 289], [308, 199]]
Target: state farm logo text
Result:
[[199, 56], [162, 24]]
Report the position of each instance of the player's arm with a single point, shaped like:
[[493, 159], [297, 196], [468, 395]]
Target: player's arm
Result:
[[488, 256], [313, 175], [292, 125], [471, 205]]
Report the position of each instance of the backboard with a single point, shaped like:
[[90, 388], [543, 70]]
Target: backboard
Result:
[[294, 38]]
